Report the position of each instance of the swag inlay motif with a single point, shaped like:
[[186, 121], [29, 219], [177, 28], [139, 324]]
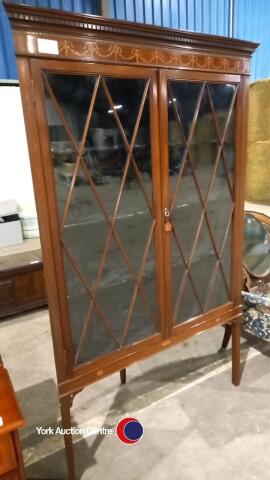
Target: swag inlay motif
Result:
[[142, 56], [122, 287]]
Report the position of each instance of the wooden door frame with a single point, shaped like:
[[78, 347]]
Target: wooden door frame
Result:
[[238, 187], [83, 38], [72, 380], [73, 68]]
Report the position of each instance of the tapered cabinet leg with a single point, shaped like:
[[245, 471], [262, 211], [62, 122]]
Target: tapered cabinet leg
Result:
[[123, 376], [65, 405], [227, 335], [236, 336]]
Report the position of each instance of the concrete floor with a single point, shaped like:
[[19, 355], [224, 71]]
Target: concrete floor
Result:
[[197, 426]]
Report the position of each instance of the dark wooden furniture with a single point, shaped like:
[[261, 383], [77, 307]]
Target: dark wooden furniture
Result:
[[22, 285], [11, 460], [256, 259], [137, 140]]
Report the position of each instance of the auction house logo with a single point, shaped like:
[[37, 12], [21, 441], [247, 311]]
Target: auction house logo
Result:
[[129, 430]]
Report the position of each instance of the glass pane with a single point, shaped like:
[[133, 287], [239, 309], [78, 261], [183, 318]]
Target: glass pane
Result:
[[183, 99], [138, 328], [187, 211], [221, 196], [203, 115], [148, 281], [106, 152], [98, 338], [222, 96], [85, 230], [178, 269], [226, 256], [134, 215], [126, 96], [73, 94], [92, 193], [204, 144], [203, 262], [219, 294], [189, 306], [115, 295]]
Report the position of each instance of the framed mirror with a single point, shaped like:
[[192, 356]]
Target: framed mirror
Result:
[[257, 244]]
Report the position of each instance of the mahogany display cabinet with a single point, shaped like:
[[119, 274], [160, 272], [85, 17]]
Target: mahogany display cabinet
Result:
[[137, 138]]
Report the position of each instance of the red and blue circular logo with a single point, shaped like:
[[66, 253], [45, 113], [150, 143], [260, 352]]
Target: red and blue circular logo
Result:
[[129, 430]]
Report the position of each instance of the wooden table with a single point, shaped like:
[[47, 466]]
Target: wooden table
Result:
[[11, 460]]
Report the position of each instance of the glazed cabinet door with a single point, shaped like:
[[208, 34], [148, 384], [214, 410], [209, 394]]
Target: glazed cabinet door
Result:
[[198, 118], [99, 136]]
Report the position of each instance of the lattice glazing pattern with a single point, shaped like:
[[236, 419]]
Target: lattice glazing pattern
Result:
[[201, 165], [99, 129]]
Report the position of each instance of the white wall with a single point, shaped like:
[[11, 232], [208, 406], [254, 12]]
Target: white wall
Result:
[[15, 173]]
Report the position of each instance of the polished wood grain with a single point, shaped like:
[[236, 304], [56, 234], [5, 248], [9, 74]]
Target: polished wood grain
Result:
[[89, 373], [101, 47], [128, 72], [53, 21], [7, 454], [236, 337], [11, 462], [43, 211], [121, 53], [9, 408], [22, 285]]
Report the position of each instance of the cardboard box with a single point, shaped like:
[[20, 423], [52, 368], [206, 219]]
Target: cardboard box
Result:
[[10, 225], [10, 233]]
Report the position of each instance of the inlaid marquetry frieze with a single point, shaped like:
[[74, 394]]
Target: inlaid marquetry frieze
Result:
[[139, 55], [125, 53]]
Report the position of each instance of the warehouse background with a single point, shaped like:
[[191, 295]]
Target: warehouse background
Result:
[[246, 19]]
